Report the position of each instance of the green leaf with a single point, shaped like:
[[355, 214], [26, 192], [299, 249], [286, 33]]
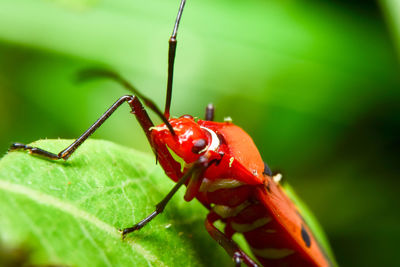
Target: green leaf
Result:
[[69, 212], [390, 10]]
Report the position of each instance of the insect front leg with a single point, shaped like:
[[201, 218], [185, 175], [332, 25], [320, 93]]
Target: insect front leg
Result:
[[196, 170], [227, 243], [133, 102]]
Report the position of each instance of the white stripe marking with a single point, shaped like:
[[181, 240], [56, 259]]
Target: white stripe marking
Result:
[[227, 212], [214, 139], [208, 185], [246, 227]]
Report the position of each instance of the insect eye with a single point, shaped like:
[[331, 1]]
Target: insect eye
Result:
[[199, 145]]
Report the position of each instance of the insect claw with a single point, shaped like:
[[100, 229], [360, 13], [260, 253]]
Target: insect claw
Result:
[[124, 232], [17, 146]]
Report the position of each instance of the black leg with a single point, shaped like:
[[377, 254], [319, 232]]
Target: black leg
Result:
[[96, 73], [171, 59], [196, 169], [228, 244], [66, 153], [210, 112], [159, 207], [34, 151]]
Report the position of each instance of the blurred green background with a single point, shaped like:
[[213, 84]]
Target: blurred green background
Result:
[[315, 83]]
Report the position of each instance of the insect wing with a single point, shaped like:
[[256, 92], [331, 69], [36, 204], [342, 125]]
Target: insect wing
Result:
[[312, 222], [292, 227]]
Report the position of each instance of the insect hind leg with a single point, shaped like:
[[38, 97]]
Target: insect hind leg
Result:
[[227, 243]]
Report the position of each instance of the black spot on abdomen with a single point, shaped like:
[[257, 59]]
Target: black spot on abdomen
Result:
[[267, 170], [305, 236]]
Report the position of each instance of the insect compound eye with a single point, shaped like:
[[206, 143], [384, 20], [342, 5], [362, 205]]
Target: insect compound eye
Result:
[[199, 145]]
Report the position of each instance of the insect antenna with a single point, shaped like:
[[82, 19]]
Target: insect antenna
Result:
[[171, 59], [97, 73]]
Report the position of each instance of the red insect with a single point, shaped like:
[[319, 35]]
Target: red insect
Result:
[[221, 167]]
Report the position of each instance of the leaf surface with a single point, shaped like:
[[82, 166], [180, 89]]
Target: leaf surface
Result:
[[69, 212]]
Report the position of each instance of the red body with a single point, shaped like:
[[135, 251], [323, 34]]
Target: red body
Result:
[[237, 191]]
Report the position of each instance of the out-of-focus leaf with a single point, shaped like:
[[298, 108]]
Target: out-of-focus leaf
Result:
[[391, 9]]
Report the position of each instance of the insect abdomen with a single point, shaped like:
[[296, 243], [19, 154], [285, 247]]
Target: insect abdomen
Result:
[[268, 240]]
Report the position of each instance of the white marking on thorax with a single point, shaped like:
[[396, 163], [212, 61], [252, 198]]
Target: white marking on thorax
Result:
[[158, 128], [163, 127], [246, 227], [214, 141]]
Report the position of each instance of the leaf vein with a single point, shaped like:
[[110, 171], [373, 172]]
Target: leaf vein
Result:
[[66, 207], [93, 242]]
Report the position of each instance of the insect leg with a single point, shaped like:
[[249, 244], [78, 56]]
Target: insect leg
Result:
[[227, 243], [171, 59], [97, 73], [210, 112], [137, 109], [196, 169]]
